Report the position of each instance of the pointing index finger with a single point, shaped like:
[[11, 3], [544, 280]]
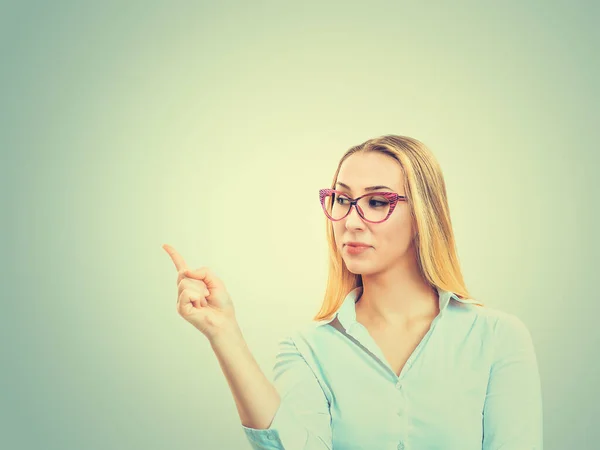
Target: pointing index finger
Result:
[[176, 257]]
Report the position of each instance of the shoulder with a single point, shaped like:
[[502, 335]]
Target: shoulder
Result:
[[308, 333], [503, 323], [315, 341], [500, 327], [496, 319], [508, 331]]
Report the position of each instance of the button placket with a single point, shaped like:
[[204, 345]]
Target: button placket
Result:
[[400, 410], [402, 413]]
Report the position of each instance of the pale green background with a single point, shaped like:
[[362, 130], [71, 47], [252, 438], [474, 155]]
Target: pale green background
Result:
[[211, 127]]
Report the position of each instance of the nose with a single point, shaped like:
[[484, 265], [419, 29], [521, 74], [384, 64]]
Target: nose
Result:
[[353, 219]]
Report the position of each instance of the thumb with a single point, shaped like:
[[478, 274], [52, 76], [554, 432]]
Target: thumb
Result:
[[207, 276]]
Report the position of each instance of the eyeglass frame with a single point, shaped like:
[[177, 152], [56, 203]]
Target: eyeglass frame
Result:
[[392, 197]]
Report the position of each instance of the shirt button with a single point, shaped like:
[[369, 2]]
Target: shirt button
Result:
[[270, 437], [398, 385], [400, 445]]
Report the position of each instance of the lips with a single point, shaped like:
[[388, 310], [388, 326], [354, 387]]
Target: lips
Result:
[[357, 245]]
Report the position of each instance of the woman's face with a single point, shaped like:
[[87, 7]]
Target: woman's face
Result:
[[391, 241]]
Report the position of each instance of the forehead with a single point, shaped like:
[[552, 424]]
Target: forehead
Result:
[[361, 170]]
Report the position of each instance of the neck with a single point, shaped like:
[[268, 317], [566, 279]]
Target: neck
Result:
[[399, 296]]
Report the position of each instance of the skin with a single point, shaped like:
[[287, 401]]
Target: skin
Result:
[[202, 299], [196, 289], [394, 292]]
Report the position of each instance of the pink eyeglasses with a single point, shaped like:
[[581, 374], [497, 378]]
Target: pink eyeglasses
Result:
[[374, 207]]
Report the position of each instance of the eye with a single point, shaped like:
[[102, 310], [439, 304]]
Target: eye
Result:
[[378, 202]]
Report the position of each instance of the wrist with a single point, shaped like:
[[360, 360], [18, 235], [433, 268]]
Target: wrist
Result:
[[227, 333]]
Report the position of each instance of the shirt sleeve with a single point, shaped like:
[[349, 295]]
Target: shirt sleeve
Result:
[[512, 415], [303, 420]]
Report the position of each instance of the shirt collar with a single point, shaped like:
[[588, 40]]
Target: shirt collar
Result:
[[346, 313]]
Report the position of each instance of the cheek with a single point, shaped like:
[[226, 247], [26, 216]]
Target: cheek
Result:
[[396, 237]]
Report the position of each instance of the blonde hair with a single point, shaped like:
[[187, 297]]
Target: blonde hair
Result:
[[425, 190]]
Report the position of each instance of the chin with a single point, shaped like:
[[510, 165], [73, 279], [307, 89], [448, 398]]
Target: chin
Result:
[[356, 267]]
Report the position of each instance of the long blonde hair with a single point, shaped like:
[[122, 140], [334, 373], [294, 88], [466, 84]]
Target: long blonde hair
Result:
[[425, 190]]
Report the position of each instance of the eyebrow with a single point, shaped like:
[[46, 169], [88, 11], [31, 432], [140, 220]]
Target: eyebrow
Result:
[[370, 188]]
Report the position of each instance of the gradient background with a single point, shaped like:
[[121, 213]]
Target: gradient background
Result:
[[127, 125]]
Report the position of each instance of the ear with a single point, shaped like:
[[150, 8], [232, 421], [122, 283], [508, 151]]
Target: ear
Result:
[[415, 232]]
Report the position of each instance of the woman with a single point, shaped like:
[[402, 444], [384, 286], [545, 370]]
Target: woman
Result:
[[399, 356]]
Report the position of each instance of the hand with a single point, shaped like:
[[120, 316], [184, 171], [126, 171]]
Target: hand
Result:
[[202, 298]]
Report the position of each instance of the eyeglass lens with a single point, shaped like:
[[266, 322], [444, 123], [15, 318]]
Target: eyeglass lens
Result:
[[372, 207]]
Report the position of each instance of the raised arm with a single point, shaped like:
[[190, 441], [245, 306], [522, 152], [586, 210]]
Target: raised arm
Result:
[[512, 416], [299, 418]]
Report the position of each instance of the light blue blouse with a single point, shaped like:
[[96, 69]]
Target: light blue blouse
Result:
[[472, 383]]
